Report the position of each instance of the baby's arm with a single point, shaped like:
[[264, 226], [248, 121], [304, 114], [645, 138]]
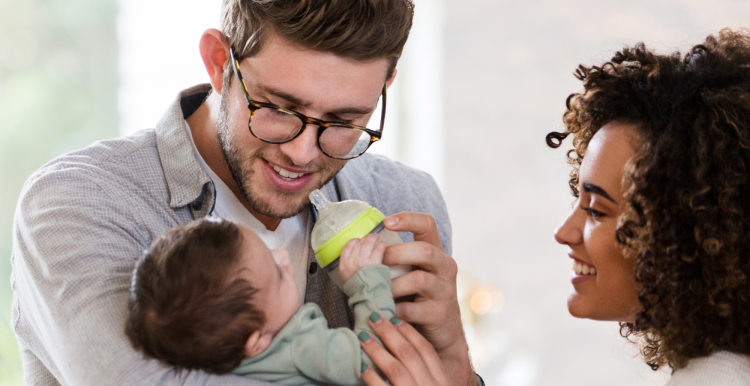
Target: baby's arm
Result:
[[334, 355], [368, 281]]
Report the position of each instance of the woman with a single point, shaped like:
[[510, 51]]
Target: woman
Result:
[[660, 233]]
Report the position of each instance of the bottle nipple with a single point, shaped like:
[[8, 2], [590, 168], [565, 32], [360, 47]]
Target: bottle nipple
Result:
[[319, 200]]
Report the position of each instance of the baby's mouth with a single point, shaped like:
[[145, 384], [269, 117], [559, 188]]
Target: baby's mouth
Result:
[[581, 268]]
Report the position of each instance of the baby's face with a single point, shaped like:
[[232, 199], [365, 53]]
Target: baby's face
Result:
[[273, 276]]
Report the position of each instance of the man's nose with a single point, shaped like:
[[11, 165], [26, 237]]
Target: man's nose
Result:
[[303, 149]]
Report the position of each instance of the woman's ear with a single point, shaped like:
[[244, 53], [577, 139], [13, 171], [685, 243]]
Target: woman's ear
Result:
[[215, 54], [257, 343]]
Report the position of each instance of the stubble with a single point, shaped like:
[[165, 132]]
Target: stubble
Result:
[[240, 165]]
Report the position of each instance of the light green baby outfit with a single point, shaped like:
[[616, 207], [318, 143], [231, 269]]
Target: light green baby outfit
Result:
[[307, 352]]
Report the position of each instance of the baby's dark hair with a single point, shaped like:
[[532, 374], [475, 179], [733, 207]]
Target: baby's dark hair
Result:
[[189, 304]]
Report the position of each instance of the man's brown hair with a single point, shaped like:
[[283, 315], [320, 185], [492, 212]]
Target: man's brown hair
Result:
[[357, 29], [189, 305]]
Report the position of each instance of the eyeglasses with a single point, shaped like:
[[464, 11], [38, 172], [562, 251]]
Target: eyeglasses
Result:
[[276, 125]]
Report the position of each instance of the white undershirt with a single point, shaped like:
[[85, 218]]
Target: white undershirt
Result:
[[292, 234]]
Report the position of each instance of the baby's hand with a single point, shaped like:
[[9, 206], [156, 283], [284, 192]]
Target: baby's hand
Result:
[[358, 253]]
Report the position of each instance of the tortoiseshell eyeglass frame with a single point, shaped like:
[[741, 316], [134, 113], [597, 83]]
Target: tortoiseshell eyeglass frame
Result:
[[254, 106]]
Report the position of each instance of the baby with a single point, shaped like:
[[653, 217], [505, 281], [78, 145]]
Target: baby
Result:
[[210, 295]]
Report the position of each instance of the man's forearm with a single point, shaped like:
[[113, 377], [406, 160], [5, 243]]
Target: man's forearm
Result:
[[457, 364]]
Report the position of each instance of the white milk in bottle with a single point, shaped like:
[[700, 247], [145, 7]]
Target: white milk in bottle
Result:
[[339, 222]]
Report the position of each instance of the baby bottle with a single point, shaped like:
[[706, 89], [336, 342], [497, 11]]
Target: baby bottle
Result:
[[339, 222]]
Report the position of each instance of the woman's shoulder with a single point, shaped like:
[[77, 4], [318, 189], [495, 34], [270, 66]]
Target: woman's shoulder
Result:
[[721, 368]]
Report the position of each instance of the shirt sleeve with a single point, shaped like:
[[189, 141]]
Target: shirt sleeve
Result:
[[369, 291], [334, 355], [75, 247]]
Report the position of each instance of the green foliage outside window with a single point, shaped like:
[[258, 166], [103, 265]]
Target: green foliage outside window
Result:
[[58, 92]]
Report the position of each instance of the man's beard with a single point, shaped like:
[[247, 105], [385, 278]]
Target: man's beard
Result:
[[240, 165]]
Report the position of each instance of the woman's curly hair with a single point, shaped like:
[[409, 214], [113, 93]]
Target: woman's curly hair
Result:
[[687, 189]]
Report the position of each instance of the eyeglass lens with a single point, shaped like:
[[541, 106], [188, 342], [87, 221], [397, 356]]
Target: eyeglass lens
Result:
[[278, 126]]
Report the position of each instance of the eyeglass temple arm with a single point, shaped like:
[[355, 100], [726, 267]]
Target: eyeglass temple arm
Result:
[[382, 112], [240, 80]]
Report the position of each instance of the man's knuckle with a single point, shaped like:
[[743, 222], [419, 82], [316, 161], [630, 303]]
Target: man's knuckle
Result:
[[425, 249], [452, 267], [406, 313], [420, 279]]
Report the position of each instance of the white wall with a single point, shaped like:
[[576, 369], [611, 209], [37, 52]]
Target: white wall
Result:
[[159, 55]]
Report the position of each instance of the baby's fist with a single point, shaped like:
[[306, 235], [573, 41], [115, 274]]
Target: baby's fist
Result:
[[358, 253]]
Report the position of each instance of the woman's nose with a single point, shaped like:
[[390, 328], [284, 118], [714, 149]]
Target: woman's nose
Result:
[[569, 232]]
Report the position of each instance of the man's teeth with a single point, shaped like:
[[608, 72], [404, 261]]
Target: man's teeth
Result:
[[583, 269], [287, 174]]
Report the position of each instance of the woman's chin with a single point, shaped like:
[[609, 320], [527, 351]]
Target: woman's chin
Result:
[[579, 307]]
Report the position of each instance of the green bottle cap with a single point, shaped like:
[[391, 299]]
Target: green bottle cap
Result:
[[360, 227]]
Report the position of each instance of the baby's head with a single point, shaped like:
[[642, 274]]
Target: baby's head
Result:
[[207, 294]]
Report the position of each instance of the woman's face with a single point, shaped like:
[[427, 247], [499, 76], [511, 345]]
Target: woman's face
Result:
[[604, 285]]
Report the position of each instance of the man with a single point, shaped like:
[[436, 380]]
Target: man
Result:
[[281, 119]]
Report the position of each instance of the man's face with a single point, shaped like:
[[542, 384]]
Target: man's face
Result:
[[277, 179]]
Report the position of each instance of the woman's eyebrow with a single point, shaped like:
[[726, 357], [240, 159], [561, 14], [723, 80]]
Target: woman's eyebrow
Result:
[[591, 188]]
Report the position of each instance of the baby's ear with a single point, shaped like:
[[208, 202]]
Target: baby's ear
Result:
[[257, 343]]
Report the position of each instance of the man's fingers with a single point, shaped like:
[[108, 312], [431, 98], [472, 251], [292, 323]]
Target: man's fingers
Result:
[[421, 313], [396, 373], [424, 255], [416, 283], [422, 225]]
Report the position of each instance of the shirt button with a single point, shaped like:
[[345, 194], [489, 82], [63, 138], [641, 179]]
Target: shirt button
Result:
[[313, 268]]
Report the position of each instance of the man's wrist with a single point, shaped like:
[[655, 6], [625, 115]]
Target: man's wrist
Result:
[[457, 363]]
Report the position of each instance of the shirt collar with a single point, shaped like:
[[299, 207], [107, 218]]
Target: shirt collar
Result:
[[185, 178]]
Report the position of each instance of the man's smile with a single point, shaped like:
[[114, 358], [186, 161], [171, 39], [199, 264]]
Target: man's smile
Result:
[[287, 174], [285, 179]]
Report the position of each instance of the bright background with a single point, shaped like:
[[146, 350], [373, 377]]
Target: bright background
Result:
[[480, 84]]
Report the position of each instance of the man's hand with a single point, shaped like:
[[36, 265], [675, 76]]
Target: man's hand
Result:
[[431, 303], [358, 253]]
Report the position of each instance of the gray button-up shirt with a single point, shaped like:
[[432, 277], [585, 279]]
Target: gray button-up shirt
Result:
[[85, 218]]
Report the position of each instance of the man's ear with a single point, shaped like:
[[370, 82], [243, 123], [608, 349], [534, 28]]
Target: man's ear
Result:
[[215, 53], [257, 343], [389, 82]]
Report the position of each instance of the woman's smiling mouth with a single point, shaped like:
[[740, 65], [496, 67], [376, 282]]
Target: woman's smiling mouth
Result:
[[581, 268]]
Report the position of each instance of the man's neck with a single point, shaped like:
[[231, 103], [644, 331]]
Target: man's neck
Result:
[[203, 127]]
